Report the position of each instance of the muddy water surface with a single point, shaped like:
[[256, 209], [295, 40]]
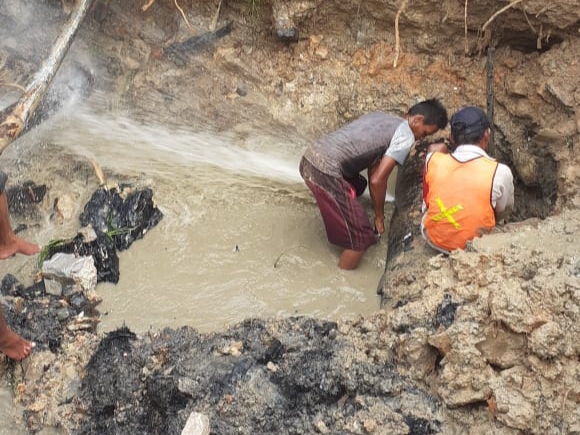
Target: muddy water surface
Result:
[[241, 234]]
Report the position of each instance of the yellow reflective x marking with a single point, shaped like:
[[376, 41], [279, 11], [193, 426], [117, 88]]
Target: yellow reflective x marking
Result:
[[447, 213]]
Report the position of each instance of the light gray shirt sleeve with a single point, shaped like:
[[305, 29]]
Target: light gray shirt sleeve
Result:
[[401, 143], [502, 195]]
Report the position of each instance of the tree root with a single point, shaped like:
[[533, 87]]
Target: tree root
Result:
[[184, 17], [397, 39], [502, 10], [214, 21], [466, 46], [147, 5], [532, 28]]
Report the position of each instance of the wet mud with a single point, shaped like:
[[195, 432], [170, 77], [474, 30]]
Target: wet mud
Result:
[[259, 377], [112, 220]]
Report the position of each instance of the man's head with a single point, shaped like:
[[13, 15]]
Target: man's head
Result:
[[470, 126], [427, 117]]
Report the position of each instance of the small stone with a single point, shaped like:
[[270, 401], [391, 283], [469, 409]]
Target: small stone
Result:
[[322, 52], [272, 367], [370, 425], [62, 314], [234, 349], [315, 40], [64, 208], [88, 233], [197, 424], [186, 386], [367, 326], [38, 406], [321, 427], [131, 63]]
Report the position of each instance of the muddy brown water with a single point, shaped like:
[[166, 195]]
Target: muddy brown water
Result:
[[241, 235]]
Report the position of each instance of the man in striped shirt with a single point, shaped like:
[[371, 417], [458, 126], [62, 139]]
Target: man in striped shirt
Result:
[[331, 168]]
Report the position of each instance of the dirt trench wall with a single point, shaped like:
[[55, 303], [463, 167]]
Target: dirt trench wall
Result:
[[332, 61], [492, 329], [337, 64], [537, 97]]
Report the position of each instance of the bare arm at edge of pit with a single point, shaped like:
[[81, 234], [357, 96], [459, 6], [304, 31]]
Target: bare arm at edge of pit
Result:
[[378, 177]]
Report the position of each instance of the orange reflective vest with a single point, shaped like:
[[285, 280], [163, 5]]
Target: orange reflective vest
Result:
[[458, 197]]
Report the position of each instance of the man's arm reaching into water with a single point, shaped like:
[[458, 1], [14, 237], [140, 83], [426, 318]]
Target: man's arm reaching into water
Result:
[[378, 176]]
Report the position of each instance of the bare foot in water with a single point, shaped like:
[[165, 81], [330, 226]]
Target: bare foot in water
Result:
[[14, 346], [18, 246]]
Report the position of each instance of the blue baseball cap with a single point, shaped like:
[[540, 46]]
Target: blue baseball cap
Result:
[[467, 121]]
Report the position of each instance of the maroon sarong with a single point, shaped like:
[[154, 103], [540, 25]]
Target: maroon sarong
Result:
[[346, 222]]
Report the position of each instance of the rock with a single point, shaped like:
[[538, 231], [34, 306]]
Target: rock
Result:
[[465, 378], [368, 326], [64, 208], [88, 233], [283, 23], [513, 407], [503, 348], [525, 164], [518, 87], [63, 271], [563, 92], [284, 14], [417, 352], [235, 349], [62, 314], [442, 342], [545, 341], [322, 52], [10, 285], [197, 424], [548, 136], [321, 427], [512, 306], [315, 40], [569, 127], [131, 63], [370, 425], [186, 386]]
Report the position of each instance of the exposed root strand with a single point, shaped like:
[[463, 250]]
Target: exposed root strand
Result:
[[397, 39], [147, 5], [501, 11], [466, 46], [184, 17]]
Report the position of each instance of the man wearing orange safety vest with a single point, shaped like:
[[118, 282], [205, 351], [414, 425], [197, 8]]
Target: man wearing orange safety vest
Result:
[[464, 193]]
